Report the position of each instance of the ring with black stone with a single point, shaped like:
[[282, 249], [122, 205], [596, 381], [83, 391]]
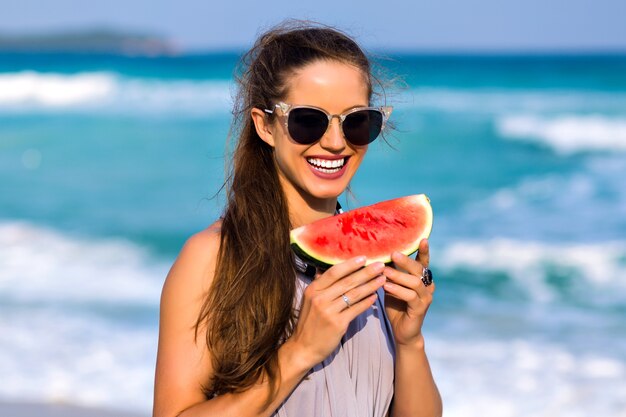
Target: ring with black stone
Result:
[[427, 277]]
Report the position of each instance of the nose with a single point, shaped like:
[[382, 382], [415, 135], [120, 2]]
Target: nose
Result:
[[333, 139]]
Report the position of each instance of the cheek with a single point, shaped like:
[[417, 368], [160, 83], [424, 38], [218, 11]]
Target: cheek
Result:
[[358, 157], [288, 159]]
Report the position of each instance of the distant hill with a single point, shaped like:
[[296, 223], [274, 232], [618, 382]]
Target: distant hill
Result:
[[88, 41]]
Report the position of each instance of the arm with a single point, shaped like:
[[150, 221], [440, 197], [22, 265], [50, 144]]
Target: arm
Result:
[[250, 402], [415, 391], [184, 364], [406, 303]]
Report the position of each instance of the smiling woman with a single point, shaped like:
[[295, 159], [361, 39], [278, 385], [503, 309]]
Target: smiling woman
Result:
[[242, 332]]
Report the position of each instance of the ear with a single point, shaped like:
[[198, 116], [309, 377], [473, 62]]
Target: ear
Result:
[[262, 126]]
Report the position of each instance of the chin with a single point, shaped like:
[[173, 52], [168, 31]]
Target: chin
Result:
[[324, 193]]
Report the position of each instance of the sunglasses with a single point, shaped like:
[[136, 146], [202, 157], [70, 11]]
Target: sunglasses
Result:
[[360, 125]]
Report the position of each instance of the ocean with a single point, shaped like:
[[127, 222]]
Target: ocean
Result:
[[108, 163]]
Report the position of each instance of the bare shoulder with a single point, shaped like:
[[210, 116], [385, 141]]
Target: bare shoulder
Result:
[[189, 280], [183, 360], [195, 264]]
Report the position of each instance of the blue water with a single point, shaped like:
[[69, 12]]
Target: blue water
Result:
[[108, 163]]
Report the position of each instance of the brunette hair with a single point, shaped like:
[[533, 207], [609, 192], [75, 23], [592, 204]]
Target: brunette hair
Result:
[[249, 309]]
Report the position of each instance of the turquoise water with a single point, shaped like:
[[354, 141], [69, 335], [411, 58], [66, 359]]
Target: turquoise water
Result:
[[107, 164]]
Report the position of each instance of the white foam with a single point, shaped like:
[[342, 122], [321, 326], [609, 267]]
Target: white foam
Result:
[[53, 331], [78, 316], [598, 268], [51, 355], [106, 92], [567, 133], [37, 263], [519, 378], [54, 90]]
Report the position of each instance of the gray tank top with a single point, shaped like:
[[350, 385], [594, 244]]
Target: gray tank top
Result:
[[356, 380]]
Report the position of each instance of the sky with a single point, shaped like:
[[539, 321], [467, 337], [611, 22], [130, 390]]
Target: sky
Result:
[[433, 25]]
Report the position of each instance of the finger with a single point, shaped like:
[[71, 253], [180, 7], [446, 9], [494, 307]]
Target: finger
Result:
[[336, 272], [410, 281], [411, 266], [401, 293], [360, 307], [359, 293], [414, 298], [423, 253], [401, 278], [354, 280]]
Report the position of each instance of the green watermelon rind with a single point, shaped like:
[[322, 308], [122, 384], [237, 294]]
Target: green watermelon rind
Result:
[[309, 259], [408, 250]]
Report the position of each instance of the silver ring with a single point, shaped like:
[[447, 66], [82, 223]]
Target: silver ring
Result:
[[427, 277], [346, 300]]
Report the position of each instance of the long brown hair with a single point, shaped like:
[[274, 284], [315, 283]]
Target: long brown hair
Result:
[[249, 309]]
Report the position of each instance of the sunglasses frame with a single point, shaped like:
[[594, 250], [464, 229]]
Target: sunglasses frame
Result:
[[286, 108]]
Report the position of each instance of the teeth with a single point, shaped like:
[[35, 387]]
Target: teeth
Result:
[[328, 170], [326, 163]]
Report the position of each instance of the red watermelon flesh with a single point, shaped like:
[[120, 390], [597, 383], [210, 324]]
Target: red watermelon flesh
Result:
[[372, 231]]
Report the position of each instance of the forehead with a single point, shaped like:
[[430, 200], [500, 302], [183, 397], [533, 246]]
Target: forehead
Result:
[[331, 85]]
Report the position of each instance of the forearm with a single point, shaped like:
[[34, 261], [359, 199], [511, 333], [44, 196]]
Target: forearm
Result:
[[416, 394], [251, 401]]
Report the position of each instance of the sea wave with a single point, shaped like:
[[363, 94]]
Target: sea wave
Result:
[[567, 134], [110, 92], [520, 377], [540, 315], [587, 204], [54, 90], [76, 359], [107, 92], [79, 315], [39, 264], [587, 273], [505, 101]]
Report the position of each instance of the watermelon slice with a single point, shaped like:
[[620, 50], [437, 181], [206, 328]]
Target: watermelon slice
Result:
[[373, 231]]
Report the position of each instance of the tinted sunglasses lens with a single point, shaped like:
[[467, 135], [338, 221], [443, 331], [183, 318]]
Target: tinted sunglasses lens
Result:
[[363, 126], [307, 126]]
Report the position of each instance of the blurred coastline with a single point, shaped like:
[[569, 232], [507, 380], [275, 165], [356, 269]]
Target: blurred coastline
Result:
[[89, 41]]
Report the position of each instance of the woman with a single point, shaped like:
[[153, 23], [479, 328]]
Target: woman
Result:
[[242, 332]]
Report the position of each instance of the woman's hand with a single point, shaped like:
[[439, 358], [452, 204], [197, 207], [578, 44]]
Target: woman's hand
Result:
[[325, 314], [407, 298]]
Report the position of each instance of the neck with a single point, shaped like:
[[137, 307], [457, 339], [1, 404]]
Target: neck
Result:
[[305, 209]]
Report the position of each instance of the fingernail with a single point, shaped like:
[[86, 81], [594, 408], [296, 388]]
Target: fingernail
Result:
[[360, 260], [378, 266]]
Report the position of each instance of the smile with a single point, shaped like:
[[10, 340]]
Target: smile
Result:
[[327, 166]]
